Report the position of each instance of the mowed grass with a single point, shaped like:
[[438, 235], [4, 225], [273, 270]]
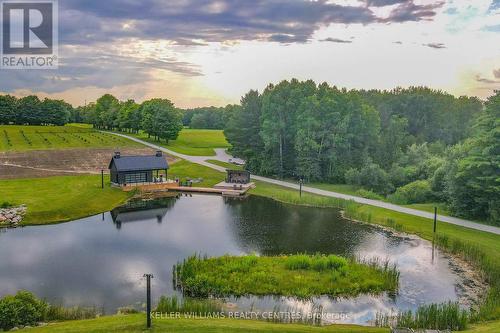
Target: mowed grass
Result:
[[25, 138], [62, 198], [297, 275], [226, 165], [137, 323], [184, 169], [195, 142], [490, 327]]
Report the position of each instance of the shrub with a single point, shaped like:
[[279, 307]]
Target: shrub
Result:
[[5, 204], [368, 194], [336, 262], [370, 176], [21, 309], [124, 310], [416, 192]]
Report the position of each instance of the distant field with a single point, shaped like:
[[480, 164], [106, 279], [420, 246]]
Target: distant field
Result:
[[195, 142], [22, 138]]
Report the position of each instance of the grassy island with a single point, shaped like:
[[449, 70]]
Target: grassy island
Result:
[[296, 275]]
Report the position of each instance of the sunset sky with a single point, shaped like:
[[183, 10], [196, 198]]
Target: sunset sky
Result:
[[199, 53]]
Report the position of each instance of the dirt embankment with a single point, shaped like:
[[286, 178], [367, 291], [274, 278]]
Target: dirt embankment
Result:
[[44, 163]]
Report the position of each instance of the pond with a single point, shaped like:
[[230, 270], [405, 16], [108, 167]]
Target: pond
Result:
[[100, 260]]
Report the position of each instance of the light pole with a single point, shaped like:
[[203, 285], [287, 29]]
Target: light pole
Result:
[[301, 181], [435, 219], [148, 298]]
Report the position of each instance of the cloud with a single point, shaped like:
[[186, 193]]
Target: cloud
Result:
[[100, 67], [495, 4], [336, 40], [409, 11], [382, 3], [206, 20], [435, 45], [492, 28], [182, 21]]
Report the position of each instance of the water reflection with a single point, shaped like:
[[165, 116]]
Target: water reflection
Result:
[[100, 262]]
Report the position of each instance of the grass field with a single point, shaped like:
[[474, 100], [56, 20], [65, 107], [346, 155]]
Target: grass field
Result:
[[297, 275], [137, 323], [62, 198], [195, 142], [23, 138]]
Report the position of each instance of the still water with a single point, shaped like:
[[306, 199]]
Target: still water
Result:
[[100, 260]]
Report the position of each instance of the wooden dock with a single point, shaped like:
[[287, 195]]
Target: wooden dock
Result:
[[165, 187]]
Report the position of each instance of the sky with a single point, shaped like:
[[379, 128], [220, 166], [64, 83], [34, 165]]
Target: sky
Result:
[[211, 52]]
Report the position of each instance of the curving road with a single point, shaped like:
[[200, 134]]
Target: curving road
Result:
[[221, 155]]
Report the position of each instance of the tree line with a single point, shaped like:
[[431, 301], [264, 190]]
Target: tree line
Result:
[[159, 118], [207, 117], [30, 110], [408, 145]]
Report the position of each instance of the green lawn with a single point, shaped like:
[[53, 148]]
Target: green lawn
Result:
[[297, 275], [24, 138], [62, 198], [184, 169], [226, 165], [490, 327], [137, 323], [195, 142], [340, 188]]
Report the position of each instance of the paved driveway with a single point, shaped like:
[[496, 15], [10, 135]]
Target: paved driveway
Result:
[[221, 155]]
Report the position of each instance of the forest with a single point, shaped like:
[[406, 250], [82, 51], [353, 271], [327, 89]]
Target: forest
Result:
[[411, 145]]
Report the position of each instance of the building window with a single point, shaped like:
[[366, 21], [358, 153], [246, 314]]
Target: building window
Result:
[[135, 178]]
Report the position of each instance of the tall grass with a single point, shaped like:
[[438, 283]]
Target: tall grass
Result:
[[317, 262], [489, 309], [188, 305], [313, 275], [445, 316], [56, 312]]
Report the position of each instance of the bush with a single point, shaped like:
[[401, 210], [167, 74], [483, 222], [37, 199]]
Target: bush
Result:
[[5, 204], [416, 192], [21, 310], [369, 194], [370, 176]]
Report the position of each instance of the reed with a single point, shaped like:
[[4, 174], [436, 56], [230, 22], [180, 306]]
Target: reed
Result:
[[445, 316]]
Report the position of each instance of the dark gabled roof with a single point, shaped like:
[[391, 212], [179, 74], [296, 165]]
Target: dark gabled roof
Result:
[[136, 163]]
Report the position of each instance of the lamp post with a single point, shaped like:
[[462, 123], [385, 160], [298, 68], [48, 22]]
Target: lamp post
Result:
[[435, 219], [148, 299], [102, 178], [301, 181]]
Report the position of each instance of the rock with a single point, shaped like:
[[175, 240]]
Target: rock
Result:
[[14, 329]]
